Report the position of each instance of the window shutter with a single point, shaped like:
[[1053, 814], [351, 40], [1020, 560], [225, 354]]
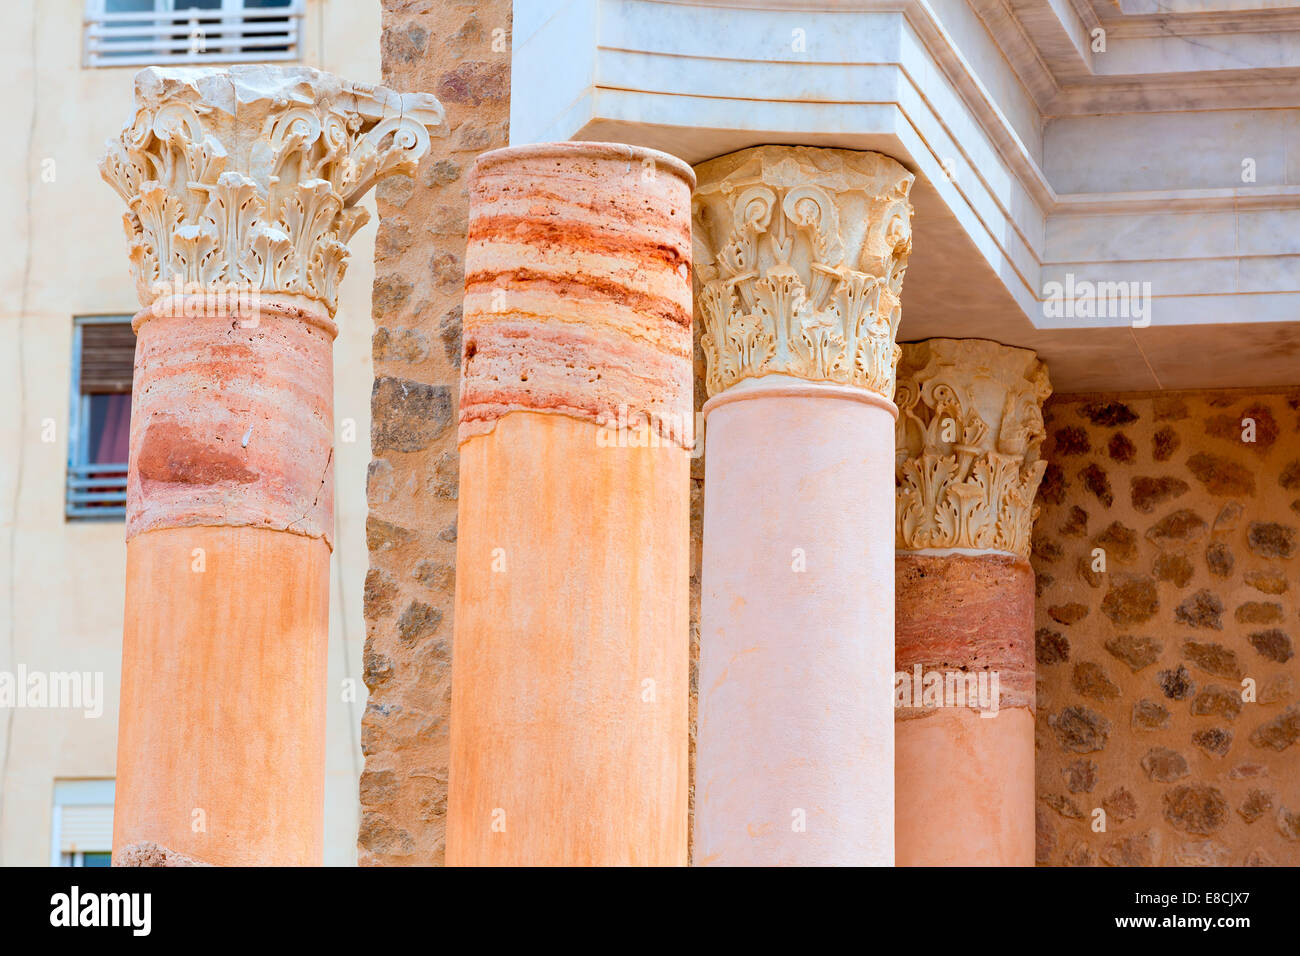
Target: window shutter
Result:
[[107, 357], [86, 828]]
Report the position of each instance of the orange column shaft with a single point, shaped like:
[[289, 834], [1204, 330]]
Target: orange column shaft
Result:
[[221, 738], [569, 700]]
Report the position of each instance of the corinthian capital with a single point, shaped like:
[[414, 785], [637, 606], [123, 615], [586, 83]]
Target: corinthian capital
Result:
[[799, 256], [249, 176], [969, 427]]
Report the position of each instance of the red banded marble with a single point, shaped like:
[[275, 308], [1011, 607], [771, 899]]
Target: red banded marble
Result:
[[232, 419], [577, 286]]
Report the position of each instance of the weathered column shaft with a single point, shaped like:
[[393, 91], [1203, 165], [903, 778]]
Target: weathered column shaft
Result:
[[967, 470], [569, 702], [800, 260], [241, 187]]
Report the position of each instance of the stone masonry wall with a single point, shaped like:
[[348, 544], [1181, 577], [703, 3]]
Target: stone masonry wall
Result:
[[1141, 664], [459, 50]]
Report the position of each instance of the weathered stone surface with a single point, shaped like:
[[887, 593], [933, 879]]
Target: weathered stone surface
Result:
[[1213, 658], [406, 415], [1119, 542], [1136, 849], [384, 535], [435, 574], [1221, 476], [1063, 805], [1255, 428], [1202, 610], [1273, 644], [1050, 647], [444, 481], [1076, 523], [376, 668], [1098, 485], [1088, 573], [1164, 765], [1044, 836], [1170, 408], [1229, 517], [1271, 581], [1108, 414], [1288, 823], [1068, 613], [1131, 599], [1280, 732], [1271, 540], [389, 294], [1219, 559], [1136, 652], [1120, 805], [1071, 440], [1080, 775], [1052, 488], [418, 621], [1174, 567], [1178, 528], [1177, 684], [1147, 493], [1091, 681], [1164, 444], [1121, 448], [1149, 715], [150, 854], [1217, 701], [1045, 549], [1213, 740], [1290, 476], [1080, 730], [1277, 688], [400, 345], [1080, 855], [1196, 808], [1257, 803], [380, 590]]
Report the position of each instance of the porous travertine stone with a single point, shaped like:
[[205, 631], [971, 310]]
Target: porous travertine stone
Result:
[[151, 854], [968, 467], [577, 292], [800, 255], [569, 705]]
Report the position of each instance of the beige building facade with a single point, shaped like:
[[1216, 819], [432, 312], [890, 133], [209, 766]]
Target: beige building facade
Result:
[[64, 578]]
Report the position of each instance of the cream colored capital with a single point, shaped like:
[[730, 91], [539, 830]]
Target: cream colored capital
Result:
[[249, 176], [800, 254], [969, 427]]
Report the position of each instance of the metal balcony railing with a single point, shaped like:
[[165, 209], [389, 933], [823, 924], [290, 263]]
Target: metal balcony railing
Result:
[[233, 34], [96, 491]]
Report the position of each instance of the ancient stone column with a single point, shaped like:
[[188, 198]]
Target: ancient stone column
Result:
[[969, 430], [800, 255], [241, 188], [570, 691]]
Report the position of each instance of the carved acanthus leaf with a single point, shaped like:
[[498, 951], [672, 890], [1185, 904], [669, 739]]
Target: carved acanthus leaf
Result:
[[251, 174], [969, 429], [799, 258]]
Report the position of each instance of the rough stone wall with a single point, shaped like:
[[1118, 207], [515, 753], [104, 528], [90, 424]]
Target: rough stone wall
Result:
[[1140, 665], [459, 50]]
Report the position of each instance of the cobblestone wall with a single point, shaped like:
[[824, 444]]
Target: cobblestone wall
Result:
[[1166, 554], [460, 52]]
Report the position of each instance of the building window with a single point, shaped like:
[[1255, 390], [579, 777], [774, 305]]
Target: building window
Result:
[[103, 358], [153, 32], [82, 823]]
